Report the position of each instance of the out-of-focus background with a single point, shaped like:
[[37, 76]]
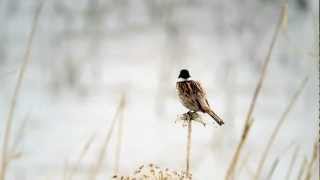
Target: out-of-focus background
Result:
[[87, 53]]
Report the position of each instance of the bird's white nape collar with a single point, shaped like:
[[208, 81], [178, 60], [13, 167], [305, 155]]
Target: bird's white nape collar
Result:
[[182, 79]]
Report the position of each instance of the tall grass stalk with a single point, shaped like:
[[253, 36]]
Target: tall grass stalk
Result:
[[277, 128], [19, 136], [243, 163], [302, 168], [14, 152], [12, 107], [248, 119], [118, 145], [292, 162], [188, 157], [101, 155], [312, 161], [83, 153], [273, 168]]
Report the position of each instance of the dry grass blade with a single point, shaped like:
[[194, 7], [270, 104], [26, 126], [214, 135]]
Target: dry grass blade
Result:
[[273, 168], [277, 128], [248, 120], [188, 147], [302, 168], [235, 158], [118, 145], [83, 152], [243, 163], [96, 167], [12, 107], [20, 134], [312, 161], [285, 18], [13, 153], [292, 162]]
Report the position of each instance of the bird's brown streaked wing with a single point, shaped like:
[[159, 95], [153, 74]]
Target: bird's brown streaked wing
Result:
[[186, 95], [200, 96], [197, 88]]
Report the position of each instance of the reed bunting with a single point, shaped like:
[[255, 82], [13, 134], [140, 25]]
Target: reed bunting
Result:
[[193, 96]]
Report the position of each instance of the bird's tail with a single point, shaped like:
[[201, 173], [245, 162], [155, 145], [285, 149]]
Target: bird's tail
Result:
[[216, 117]]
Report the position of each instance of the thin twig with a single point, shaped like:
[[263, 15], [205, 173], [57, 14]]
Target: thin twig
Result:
[[248, 119], [277, 128], [12, 107]]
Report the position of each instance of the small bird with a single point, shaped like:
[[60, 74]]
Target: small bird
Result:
[[193, 96]]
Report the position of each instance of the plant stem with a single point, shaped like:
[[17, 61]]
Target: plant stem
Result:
[[12, 107], [188, 147], [248, 119]]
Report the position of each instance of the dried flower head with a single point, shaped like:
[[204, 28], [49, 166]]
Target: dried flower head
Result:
[[153, 172], [190, 116]]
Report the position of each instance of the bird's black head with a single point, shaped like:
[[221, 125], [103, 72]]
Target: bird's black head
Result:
[[184, 73]]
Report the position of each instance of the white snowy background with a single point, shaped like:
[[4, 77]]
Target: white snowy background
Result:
[[86, 53]]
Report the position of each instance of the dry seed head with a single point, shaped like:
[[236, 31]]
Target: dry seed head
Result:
[[153, 172], [190, 116]]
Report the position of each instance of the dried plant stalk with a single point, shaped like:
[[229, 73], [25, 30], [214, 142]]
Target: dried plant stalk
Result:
[[101, 155], [19, 136], [83, 152], [292, 162], [248, 120], [188, 157], [312, 161], [302, 168], [277, 128], [235, 158], [118, 145], [243, 164], [273, 168], [12, 107]]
